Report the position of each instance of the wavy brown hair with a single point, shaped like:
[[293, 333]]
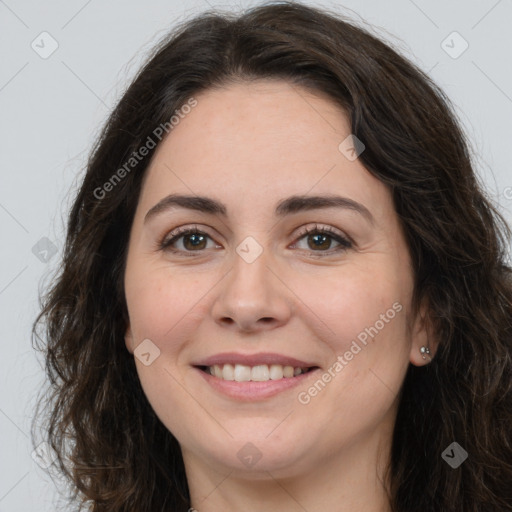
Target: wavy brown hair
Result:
[[111, 447]]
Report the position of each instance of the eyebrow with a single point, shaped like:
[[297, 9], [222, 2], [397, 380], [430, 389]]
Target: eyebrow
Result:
[[290, 205]]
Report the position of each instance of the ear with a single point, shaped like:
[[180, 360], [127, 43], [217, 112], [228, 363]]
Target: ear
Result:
[[128, 339], [423, 335]]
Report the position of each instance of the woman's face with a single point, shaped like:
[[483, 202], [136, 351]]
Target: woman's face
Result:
[[251, 294]]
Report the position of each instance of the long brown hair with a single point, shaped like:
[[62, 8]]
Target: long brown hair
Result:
[[111, 446]]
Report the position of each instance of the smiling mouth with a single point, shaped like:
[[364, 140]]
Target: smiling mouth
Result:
[[258, 373]]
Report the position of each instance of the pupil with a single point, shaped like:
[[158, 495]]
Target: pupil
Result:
[[317, 237], [197, 238]]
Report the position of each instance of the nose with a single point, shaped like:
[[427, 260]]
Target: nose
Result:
[[252, 297]]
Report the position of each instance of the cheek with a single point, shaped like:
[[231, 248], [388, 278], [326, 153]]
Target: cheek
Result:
[[362, 315], [160, 307], [158, 302], [348, 303]]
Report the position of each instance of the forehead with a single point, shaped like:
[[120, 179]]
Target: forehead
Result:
[[260, 119], [264, 139]]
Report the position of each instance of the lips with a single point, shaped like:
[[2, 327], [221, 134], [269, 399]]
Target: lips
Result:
[[264, 358], [245, 390], [262, 367]]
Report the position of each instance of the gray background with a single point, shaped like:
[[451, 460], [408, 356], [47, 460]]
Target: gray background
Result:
[[52, 108]]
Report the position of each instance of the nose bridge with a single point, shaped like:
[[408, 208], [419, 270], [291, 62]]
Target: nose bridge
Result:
[[251, 269], [252, 296]]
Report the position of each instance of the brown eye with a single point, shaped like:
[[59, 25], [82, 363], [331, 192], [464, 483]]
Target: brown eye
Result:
[[193, 240], [320, 240]]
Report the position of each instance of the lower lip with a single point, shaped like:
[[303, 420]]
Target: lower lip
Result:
[[249, 390]]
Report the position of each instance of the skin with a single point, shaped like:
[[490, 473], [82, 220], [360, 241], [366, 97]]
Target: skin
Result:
[[250, 146]]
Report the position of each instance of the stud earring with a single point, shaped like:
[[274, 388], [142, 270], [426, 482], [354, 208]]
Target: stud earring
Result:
[[425, 350]]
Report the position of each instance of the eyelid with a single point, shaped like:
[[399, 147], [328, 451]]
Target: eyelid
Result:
[[325, 229], [345, 242], [178, 232]]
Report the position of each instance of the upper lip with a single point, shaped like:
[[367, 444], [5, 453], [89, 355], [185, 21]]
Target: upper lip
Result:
[[253, 360]]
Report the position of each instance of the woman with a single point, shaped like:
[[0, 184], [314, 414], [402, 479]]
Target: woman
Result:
[[283, 288]]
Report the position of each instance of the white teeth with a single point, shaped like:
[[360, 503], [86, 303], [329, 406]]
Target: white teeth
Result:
[[242, 373], [288, 371], [258, 373], [228, 372], [276, 371]]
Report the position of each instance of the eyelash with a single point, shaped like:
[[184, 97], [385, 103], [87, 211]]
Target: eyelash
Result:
[[345, 242]]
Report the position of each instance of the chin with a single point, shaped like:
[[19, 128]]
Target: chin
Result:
[[251, 453]]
